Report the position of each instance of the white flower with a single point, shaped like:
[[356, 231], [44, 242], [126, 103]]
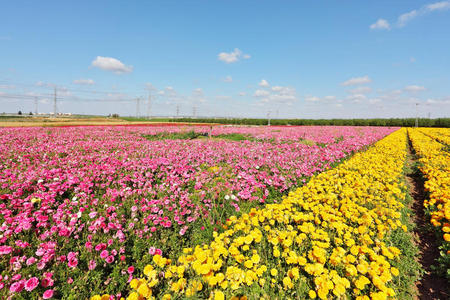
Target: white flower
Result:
[[227, 197], [79, 214], [40, 181], [233, 197]]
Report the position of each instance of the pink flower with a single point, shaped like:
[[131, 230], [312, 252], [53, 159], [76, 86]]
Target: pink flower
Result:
[[92, 264], [46, 282], [110, 259], [31, 261], [130, 270], [48, 294], [16, 277], [158, 252], [5, 250], [69, 280], [104, 254], [17, 287], [72, 263], [152, 250], [31, 284], [40, 265]]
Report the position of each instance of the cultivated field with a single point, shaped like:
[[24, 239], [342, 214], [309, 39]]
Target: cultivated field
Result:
[[175, 212]]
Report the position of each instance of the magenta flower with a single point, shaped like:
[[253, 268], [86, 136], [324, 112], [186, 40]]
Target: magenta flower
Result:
[[92, 264], [17, 287], [72, 263], [48, 294], [110, 259], [104, 254], [31, 284]]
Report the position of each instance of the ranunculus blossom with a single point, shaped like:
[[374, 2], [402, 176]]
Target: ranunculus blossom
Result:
[[48, 294], [31, 284], [104, 254]]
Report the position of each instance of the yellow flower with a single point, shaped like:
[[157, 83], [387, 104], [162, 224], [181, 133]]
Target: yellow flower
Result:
[[312, 294], [133, 296], [274, 272], [218, 295], [134, 283]]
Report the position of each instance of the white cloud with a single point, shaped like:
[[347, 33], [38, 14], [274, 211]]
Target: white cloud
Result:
[[429, 8], [279, 94], [357, 81], [374, 101], [7, 86], [233, 56], [222, 97], [150, 87], [361, 90], [261, 93], [84, 81], [111, 64], [312, 99], [444, 101], [329, 98], [381, 24], [356, 98], [414, 88], [406, 17], [45, 84], [242, 94], [443, 5], [228, 79], [263, 83]]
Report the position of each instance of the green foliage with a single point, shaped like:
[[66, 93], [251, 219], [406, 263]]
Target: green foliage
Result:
[[406, 122]]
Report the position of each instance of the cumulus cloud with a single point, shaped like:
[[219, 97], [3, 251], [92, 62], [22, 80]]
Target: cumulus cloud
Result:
[[277, 94], [361, 90], [356, 98], [242, 94], [228, 79], [263, 83], [381, 24], [312, 99], [84, 81], [232, 57], [261, 93], [443, 101], [357, 81], [414, 88], [329, 98], [111, 64]]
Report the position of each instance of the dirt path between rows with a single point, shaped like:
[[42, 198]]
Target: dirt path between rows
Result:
[[430, 285]]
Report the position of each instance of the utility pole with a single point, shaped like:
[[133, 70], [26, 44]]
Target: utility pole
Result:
[[35, 105], [54, 104], [268, 118], [178, 110], [149, 104], [194, 111], [417, 115], [137, 107]]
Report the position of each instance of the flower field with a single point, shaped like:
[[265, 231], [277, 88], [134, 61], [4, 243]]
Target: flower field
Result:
[[432, 147], [178, 212]]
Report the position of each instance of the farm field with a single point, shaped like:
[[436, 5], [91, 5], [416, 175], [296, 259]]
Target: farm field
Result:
[[175, 212]]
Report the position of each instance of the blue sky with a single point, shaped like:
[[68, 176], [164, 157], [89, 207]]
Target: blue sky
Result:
[[295, 59]]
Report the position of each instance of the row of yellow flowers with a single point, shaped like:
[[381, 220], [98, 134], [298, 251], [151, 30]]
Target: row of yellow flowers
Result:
[[433, 146], [327, 239]]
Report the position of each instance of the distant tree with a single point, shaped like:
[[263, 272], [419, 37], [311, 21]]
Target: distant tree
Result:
[[115, 115], [19, 113], [30, 113]]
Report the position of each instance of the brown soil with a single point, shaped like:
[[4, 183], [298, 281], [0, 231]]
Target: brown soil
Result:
[[430, 285]]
